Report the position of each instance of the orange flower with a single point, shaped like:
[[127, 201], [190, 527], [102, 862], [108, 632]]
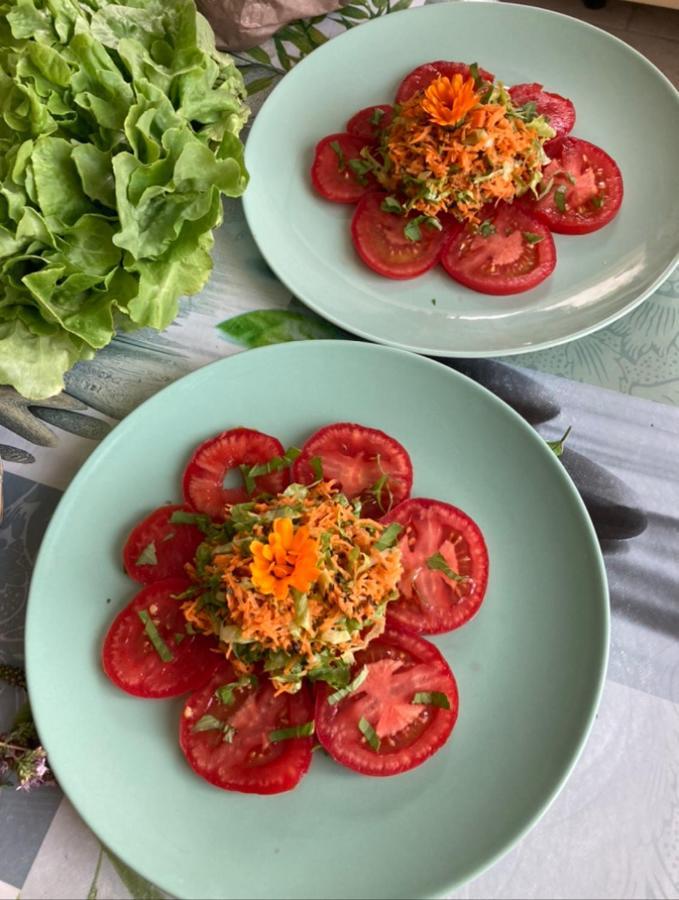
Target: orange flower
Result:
[[448, 100], [288, 560]]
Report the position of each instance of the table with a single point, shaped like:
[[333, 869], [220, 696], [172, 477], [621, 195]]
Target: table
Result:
[[613, 830]]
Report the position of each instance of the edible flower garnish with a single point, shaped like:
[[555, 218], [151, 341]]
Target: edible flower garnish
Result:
[[448, 100], [298, 582]]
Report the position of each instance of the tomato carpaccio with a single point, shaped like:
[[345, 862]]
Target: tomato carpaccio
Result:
[[395, 701]]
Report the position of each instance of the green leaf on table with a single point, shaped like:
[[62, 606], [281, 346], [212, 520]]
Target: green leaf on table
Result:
[[558, 446], [260, 84], [259, 54], [275, 326], [284, 57]]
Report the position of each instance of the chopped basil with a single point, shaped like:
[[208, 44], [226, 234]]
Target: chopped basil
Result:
[[391, 205], [560, 198], [159, 644], [148, 556], [377, 116], [169, 536], [350, 688], [486, 228], [340, 155], [530, 237], [474, 72], [570, 177], [413, 231], [275, 464], [369, 733], [316, 464], [438, 563], [389, 536], [179, 637], [557, 446], [545, 190], [182, 517], [381, 485], [598, 202], [208, 723], [225, 693], [296, 731], [433, 301], [432, 698], [489, 93], [333, 671], [189, 628], [229, 734]]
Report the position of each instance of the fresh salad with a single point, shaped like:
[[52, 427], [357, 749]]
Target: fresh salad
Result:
[[291, 607], [465, 172]]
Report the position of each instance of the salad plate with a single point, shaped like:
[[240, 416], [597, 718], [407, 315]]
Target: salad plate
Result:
[[529, 666], [623, 104]]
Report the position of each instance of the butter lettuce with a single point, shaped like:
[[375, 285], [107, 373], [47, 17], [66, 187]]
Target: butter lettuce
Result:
[[119, 127]]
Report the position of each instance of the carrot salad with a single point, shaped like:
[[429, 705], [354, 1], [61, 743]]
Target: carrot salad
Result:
[[457, 145], [299, 582]]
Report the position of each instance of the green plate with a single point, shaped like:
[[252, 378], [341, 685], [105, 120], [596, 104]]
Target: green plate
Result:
[[529, 666], [623, 104]]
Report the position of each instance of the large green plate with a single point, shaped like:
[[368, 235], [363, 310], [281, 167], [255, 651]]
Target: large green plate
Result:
[[623, 103], [530, 665]]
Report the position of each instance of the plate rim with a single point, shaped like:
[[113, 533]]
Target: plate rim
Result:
[[299, 289], [122, 432]]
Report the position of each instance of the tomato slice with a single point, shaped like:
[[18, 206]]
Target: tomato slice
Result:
[[423, 75], [558, 110], [331, 172], [517, 254], [133, 663], [369, 123], [365, 462], [381, 241], [586, 188], [437, 537], [234, 751], [157, 549], [399, 665], [214, 459]]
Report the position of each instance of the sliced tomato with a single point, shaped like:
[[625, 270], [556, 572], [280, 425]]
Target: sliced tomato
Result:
[[399, 666], [365, 462], [157, 548], [331, 173], [133, 663], [558, 110], [233, 749], [214, 459], [585, 188], [381, 240], [423, 75], [369, 123], [437, 540], [516, 253]]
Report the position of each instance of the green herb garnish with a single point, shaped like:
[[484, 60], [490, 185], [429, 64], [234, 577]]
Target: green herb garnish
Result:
[[474, 72], [179, 637], [225, 693], [369, 733], [296, 731], [433, 301], [377, 116], [486, 228], [316, 464], [341, 165], [350, 688], [560, 199], [275, 464], [432, 698], [557, 446], [360, 168], [438, 563], [208, 723], [148, 556], [413, 231], [389, 536], [391, 205], [598, 202], [153, 635], [530, 237], [200, 520]]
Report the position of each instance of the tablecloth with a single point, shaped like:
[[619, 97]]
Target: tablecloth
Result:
[[614, 830]]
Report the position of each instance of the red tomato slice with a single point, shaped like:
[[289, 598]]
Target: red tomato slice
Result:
[[504, 262], [331, 174], [586, 188], [399, 666], [133, 663], [558, 110], [369, 123], [236, 752], [365, 462], [437, 534], [203, 481], [380, 240], [156, 538], [422, 76]]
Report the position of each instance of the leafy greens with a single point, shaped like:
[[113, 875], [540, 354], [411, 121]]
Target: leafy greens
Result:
[[119, 127]]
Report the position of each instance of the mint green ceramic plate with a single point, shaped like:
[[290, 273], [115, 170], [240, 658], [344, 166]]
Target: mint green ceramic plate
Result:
[[623, 103], [529, 666]]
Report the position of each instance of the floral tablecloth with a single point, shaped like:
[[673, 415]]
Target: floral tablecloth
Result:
[[613, 830]]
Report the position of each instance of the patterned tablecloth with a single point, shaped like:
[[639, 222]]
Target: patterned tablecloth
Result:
[[614, 830]]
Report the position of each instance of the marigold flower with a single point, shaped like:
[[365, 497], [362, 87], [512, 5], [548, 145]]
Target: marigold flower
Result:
[[287, 560], [448, 100]]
